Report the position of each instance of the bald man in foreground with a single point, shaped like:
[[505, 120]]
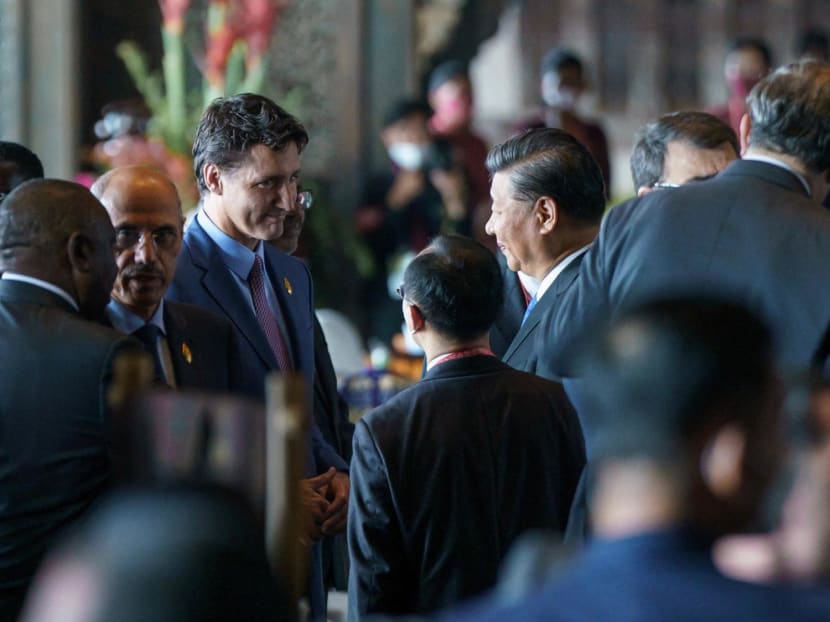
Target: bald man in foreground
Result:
[[56, 247], [191, 347]]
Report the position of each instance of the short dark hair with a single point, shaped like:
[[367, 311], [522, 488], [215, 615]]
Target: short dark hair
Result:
[[790, 113], [231, 126], [558, 58], [445, 72], [28, 164], [551, 162], [699, 129], [405, 108], [814, 40], [456, 283], [668, 368], [753, 43]]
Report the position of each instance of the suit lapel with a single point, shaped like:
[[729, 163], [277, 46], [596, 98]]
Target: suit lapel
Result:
[[220, 284], [177, 330], [557, 288]]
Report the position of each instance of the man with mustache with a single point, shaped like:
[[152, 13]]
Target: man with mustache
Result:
[[191, 347]]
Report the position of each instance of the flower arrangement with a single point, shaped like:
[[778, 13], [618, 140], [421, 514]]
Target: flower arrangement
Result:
[[237, 34]]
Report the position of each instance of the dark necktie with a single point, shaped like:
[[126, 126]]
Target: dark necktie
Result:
[[149, 335], [265, 316]]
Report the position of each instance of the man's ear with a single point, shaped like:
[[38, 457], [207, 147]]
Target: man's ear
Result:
[[644, 190], [546, 213], [743, 133], [722, 459], [413, 317], [213, 177], [80, 249]]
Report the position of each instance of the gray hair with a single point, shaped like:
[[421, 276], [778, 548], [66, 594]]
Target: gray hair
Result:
[[790, 112]]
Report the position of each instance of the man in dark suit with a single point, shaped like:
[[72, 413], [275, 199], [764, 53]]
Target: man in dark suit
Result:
[[191, 347], [448, 473], [56, 245], [247, 163], [548, 198], [756, 231], [686, 402]]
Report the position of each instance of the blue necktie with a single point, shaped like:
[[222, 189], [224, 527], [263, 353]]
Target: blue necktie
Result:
[[530, 306]]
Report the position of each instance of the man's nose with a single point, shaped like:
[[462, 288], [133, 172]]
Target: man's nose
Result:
[[145, 249], [488, 226]]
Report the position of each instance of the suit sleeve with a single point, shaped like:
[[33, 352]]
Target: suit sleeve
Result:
[[374, 538], [578, 310]]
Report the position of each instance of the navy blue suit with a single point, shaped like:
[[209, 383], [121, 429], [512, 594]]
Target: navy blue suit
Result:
[[649, 578], [203, 279]]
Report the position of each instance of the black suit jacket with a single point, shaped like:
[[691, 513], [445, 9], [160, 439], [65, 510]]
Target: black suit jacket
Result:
[[447, 474], [751, 234], [530, 342], [201, 347], [331, 413], [509, 319], [54, 459]]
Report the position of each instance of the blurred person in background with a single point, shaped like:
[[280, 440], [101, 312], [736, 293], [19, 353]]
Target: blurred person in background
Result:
[[748, 61], [423, 193], [562, 84]]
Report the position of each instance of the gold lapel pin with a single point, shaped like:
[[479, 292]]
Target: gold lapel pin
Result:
[[187, 354], [288, 287]]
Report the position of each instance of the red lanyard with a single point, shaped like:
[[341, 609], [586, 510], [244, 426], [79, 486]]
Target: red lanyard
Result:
[[461, 354]]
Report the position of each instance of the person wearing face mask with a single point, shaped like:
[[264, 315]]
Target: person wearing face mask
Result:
[[451, 97], [423, 193], [562, 84], [748, 61]]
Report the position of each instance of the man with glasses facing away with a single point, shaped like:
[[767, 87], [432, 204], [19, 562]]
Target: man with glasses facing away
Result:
[[190, 347], [446, 474], [681, 147]]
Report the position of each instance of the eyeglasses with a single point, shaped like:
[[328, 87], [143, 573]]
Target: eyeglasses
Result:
[[400, 291], [305, 199], [164, 238]]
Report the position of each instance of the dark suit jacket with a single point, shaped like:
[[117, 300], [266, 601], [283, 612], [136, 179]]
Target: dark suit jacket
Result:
[[751, 233], [202, 279], [54, 460], [509, 319], [331, 412], [445, 476], [652, 577], [209, 341], [530, 342]]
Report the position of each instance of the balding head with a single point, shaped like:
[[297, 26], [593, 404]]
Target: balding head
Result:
[[57, 231], [144, 208]]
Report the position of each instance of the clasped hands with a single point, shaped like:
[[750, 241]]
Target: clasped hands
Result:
[[326, 502]]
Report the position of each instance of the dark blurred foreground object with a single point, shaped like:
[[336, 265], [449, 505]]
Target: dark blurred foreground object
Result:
[[174, 437], [686, 404], [173, 555]]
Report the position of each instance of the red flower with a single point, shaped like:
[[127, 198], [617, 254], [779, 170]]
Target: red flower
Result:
[[255, 21]]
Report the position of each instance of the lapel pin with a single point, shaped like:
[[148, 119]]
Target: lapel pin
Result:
[[288, 287], [187, 354]]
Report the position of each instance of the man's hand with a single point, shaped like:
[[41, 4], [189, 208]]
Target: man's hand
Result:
[[338, 498], [313, 493], [407, 186]]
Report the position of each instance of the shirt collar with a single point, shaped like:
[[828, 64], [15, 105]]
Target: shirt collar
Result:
[[14, 276], [235, 255], [780, 164], [125, 321], [550, 277], [531, 284]]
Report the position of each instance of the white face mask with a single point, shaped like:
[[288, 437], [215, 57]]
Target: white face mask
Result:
[[409, 156]]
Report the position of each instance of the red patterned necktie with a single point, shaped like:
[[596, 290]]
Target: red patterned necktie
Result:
[[265, 316]]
